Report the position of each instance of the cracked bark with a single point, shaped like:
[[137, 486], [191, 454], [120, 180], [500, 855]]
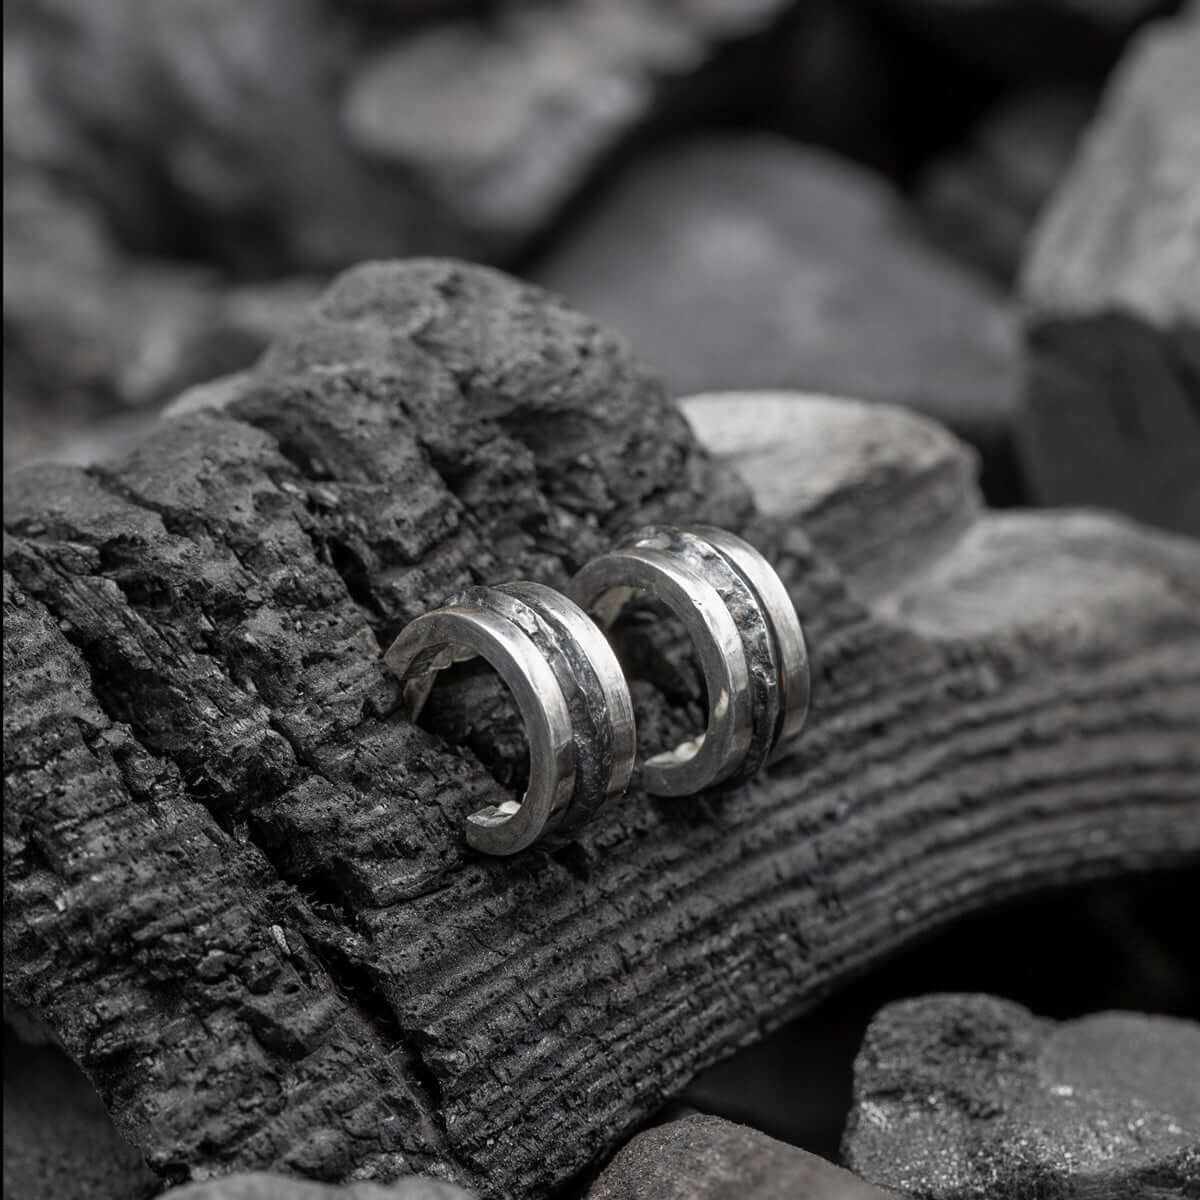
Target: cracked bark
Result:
[[236, 883]]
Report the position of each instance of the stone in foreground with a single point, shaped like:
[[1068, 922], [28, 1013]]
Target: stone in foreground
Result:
[[970, 1095], [707, 1158], [1112, 292]]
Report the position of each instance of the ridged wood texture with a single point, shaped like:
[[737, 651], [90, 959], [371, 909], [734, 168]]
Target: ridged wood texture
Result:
[[236, 882]]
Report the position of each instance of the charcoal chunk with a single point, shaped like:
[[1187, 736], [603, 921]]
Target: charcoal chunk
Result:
[[972, 1095]]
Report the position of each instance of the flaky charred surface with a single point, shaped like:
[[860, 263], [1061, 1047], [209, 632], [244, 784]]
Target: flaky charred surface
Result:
[[236, 880]]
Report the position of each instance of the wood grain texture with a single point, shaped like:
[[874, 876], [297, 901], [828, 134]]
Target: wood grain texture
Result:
[[236, 882]]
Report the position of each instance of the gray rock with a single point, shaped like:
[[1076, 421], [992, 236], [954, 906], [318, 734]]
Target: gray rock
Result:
[[707, 1158], [802, 455], [970, 1095], [503, 118], [1112, 292], [93, 334], [754, 264], [982, 202], [303, 135], [58, 1138]]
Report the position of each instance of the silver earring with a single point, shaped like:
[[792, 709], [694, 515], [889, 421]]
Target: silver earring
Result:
[[568, 686], [746, 633]]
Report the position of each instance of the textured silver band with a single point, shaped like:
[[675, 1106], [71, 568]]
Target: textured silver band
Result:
[[569, 690], [746, 633]]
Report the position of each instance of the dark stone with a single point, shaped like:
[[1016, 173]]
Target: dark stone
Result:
[[705, 1158], [1027, 39], [94, 337], [215, 121], [831, 76], [1112, 296], [1107, 944], [852, 462], [283, 135], [982, 202], [754, 263], [972, 1095], [503, 118], [58, 1139], [237, 888]]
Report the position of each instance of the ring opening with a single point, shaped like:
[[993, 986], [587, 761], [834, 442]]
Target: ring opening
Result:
[[660, 660], [466, 703]]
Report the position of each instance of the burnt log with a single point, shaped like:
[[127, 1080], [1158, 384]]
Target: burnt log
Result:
[[1112, 297], [236, 883]]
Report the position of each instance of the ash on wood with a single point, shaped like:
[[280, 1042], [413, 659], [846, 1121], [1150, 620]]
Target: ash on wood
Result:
[[973, 1095], [1112, 291], [706, 1158], [237, 885]]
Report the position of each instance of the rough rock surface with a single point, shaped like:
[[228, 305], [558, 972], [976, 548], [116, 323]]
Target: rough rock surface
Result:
[[706, 1158], [962, 1095], [982, 202], [236, 882], [1112, 293], [752, 263]]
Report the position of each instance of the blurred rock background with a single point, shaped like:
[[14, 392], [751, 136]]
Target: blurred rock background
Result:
[[834, 195]]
